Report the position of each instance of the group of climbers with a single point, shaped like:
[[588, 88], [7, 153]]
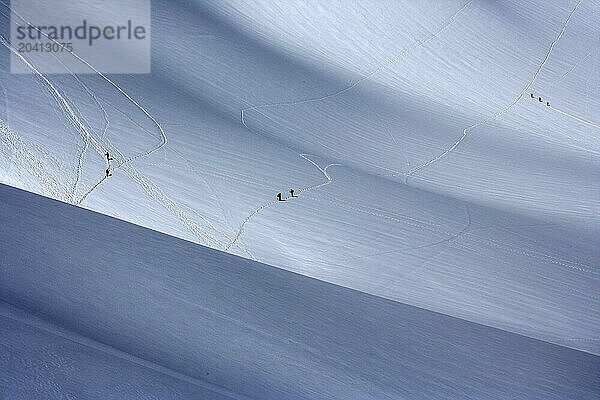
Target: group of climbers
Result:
[[540, 100]]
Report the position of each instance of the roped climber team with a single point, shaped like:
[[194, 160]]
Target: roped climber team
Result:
[[540, 100]]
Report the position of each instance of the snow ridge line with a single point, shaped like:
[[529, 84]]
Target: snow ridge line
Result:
[[271, 203], [501, 112], [16, 313], [419, 43]]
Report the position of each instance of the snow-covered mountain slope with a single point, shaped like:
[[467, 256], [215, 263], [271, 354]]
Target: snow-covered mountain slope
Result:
[[40, 360], [94, 307], [426, 173]]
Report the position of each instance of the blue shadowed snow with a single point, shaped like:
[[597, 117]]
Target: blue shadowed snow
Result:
[[82, 291]]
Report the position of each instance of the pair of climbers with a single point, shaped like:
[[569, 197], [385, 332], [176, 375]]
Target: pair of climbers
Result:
[[108, 160], [291, 195]]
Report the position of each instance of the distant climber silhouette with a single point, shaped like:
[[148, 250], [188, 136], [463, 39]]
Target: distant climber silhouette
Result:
[[108, 157], [532, 96], [540, 99], [279, 197], [292, 193], [548, 103], [108, 172]]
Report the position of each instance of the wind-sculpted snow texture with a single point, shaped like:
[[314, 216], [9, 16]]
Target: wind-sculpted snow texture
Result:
[[428, 171], [83, 291]]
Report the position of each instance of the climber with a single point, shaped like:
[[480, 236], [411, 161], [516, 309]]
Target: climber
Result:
[[279, 197], [532, 96], [292, 193], [108, 172], [548, 103], [108, 157], [540, 99]]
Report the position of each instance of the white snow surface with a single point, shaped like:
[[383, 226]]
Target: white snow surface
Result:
[[425, 172]]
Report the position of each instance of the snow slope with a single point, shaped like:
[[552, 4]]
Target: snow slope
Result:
[[43, 361], [94, 307], [427, 173]]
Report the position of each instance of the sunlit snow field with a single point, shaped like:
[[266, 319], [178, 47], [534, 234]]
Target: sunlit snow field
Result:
[[426, 174]]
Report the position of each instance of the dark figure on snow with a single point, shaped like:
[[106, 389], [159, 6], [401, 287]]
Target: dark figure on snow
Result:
[[292, 193], [548, 103], [532, 96], [279, 197], [540, 99], [108, 157], [108, 172]]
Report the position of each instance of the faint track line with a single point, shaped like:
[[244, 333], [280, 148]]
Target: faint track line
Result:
[[117, 87], [149, 187], [501, 112], [485, 241], [419, 43], [445, 240], [583, 121]]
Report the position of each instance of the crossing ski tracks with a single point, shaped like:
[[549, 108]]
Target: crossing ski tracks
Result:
[[148, 186]]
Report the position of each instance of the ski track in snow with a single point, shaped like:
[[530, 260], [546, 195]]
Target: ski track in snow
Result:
[[27, 160], [118, 88], [196, 174], [272, 203], [501, 112], [102, 136], [69, 109], [149, 187], [218, 201], [64, 103], [70, 113], [382, 67], [450, 238], [583, 121], [550, 89], [419, 43], [573, 265]]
